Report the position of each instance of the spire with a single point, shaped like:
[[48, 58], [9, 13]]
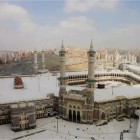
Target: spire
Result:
[[91, 46], [62, 46], [90, 82], [91, 50]]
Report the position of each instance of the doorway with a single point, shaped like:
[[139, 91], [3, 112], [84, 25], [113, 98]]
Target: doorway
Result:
[[103, 116], [74, 116], [70, 115], [78, 116]]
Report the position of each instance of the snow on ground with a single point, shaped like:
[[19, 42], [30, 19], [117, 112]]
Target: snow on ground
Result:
[[39, 86], [69, 130], [34, 88]]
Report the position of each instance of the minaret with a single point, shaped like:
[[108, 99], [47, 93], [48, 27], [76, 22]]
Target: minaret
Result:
[[116, 59], [106, 55], [43, 60], [106, 59], [91, 79], [35, 62], [62, 79], [129, 56]]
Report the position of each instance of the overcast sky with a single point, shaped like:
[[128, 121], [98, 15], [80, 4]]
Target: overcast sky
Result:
[[29, 24]]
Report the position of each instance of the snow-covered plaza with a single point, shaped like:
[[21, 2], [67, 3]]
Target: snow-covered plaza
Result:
[[47, 129]]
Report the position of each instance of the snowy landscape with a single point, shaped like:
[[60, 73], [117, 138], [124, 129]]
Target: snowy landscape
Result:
[[39, 86], [47, 129]]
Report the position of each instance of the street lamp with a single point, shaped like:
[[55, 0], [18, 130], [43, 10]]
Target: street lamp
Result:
[[57, 117], [131, 112], [56, 80], [112, 90], [48, 74], [39, 84]]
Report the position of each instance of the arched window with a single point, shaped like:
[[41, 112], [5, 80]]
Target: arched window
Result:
[[78, 107]]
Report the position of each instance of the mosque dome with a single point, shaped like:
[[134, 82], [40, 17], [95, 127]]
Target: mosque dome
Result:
[[18, 84]]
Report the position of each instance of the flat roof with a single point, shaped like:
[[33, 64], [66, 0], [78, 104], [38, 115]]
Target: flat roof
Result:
[[39, 86], [36, 87]]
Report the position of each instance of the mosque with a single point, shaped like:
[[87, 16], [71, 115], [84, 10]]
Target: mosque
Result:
[[30, 98], [81, 105]]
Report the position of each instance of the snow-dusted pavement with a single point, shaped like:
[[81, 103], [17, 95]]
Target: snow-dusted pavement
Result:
[[68, 130]]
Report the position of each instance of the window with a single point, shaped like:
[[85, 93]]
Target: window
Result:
[[89, 101]]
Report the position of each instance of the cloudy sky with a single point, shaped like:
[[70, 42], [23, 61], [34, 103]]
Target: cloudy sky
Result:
[[29, 24]]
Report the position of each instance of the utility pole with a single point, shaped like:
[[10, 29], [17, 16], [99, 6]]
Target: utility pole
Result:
[[57, 122], [56, 80], [39, 84], [112, 90], [57, 125]]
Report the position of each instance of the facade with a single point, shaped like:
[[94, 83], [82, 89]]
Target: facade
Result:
[[78, 106], [23, 116]]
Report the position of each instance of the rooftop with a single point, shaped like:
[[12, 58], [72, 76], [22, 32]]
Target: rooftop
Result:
[[37, 87]]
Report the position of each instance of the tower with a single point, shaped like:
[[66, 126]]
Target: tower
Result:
[[35, 62], [129, 56], [116, 59], [43, 60], [106, 59], [91, 70], [62, 79]]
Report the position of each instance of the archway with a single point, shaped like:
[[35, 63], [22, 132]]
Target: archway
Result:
[[70, 115], [103, 116], [49, 114], [74, 116], [78, 116]]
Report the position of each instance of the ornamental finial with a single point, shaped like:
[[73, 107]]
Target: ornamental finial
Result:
[[91, 45], [62, 46]]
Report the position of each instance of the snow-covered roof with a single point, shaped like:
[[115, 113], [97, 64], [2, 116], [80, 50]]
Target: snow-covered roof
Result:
[[36, 87], [134, 67], [39, 86]]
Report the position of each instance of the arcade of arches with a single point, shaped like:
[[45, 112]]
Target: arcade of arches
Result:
[[74, 116]]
